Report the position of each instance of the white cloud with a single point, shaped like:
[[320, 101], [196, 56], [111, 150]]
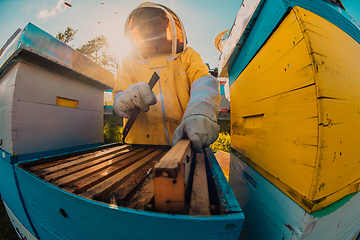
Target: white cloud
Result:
[[52, 12], [60, 6], [46, 13]]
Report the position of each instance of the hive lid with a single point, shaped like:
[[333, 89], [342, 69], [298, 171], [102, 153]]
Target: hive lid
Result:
[[34, 45], [245, 18]]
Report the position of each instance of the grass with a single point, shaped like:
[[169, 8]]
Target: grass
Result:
[[7, 232]]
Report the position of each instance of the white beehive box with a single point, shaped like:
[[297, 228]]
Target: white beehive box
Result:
[[51, 97]]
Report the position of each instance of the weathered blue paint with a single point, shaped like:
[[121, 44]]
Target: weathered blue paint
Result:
[[271, 15], [88, 219], [268, 19], [108, 107], [271, 214], [7, 157], [227, 196]]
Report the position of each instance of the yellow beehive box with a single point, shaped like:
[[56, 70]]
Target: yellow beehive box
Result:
[[295, 111]]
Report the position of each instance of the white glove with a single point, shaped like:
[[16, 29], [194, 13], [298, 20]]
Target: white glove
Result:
[[136, 95], [199, 125]]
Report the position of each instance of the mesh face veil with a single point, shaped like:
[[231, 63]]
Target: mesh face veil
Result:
[[154, 29]]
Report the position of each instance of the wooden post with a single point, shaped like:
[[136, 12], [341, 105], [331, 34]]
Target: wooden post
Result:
[[169, 178]]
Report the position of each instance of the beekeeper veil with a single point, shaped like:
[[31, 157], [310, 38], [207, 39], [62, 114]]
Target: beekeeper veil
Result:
[[155, 30]]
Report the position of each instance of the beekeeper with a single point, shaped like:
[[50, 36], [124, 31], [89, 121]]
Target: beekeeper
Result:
[[185, 101]]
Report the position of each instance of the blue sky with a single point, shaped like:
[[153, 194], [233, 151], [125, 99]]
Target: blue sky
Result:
[[203, 20]]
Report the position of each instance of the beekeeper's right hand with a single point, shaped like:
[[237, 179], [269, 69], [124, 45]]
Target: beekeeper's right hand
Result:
[[136, 95]]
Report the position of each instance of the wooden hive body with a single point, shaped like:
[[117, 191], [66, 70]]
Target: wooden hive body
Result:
[[128, 194], [51, 96], [34, 119], [295, 111]]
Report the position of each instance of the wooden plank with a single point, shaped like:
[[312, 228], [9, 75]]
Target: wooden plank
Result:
[[7, 82], [85, 159], [30, 132], [48, 85], [91, 175], [125, 191], [176, 155], [199, 204], [37, 169], [169, 179], [41, 164], [95, 165], [143, 197], [336, 59], [111, 183], [281, 77], [60, 124]]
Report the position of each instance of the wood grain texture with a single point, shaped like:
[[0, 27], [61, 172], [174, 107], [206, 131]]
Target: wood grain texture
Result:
[[278, 212], [76, 161], [87, 175], [123, 194], [282, 91], [336, 68], [143, 197], [304, 85], [112, 182], [169, 179], [107, 221], [199, 203], [270, 17], [175, 156], [123, 175]]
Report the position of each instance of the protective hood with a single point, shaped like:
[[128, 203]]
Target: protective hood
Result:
[[174, 38]]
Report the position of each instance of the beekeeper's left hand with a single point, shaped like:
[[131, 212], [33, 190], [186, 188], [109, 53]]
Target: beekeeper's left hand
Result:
[[199, 126]]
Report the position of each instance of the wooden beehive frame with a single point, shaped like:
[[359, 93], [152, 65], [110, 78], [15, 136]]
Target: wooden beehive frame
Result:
[[139, 177], [180, 178]]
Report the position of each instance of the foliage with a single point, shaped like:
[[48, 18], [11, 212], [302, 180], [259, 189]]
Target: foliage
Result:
[[224, 125], [222, 143], [112, 134], [98, 50], [67, 36], [113, 128]]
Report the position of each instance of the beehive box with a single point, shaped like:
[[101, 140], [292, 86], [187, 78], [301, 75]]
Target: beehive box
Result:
[[112, 191], [51, 96], [295, 111], [152, 178]]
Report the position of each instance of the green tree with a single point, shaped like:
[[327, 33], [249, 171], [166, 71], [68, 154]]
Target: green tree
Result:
[[67, 35], [98, 50]]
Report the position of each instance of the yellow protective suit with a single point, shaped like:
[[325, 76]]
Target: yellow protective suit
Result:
[[178, 66]]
